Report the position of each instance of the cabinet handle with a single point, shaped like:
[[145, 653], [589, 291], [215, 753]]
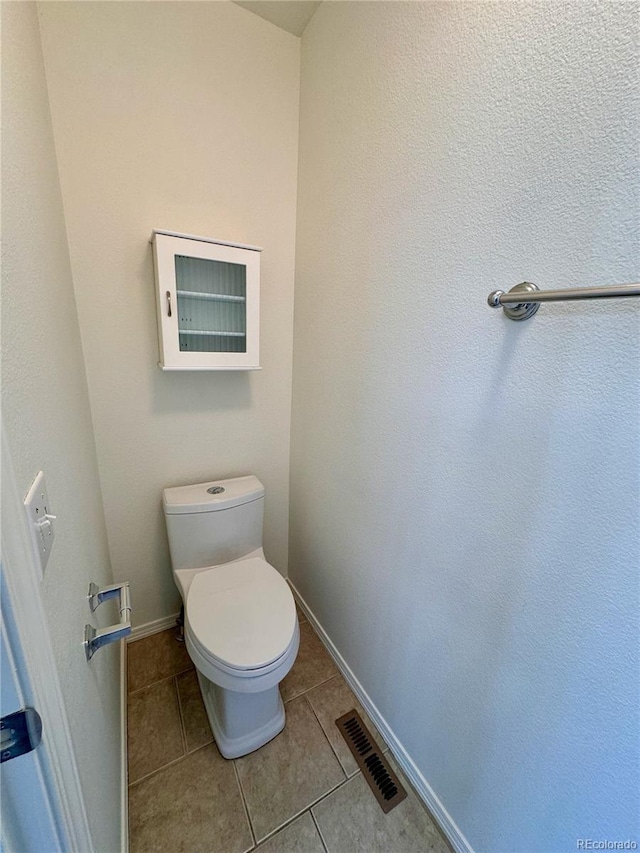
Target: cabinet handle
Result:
[[168, 303]]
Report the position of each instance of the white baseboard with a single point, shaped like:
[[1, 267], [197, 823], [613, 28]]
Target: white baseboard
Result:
[[124, 793], [419, 783], [154, 627]]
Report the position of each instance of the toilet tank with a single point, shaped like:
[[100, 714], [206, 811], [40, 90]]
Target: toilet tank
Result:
[[215, 522]]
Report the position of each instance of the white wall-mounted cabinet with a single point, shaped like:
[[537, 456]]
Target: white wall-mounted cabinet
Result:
[[208, 301]]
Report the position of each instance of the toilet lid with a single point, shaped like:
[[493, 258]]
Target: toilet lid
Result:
[[242, 613]]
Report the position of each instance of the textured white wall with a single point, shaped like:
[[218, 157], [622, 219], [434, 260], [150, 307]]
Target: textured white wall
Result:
[[45, 411], [182, 116], [464, 491]]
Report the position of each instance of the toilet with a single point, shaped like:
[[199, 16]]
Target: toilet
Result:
[[241, 626]]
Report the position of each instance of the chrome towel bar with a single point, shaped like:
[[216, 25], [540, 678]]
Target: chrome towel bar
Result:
[[522, 301]]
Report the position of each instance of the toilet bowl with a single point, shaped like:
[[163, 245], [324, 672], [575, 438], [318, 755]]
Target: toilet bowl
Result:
[[241, 626]]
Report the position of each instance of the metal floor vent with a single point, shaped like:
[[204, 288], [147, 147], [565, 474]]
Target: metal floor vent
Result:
[[380, 777]]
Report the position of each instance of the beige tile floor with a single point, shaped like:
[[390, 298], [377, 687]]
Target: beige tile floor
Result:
[[300, 793]]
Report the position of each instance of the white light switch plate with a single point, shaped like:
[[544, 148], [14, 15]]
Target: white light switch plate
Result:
[[40, 518]]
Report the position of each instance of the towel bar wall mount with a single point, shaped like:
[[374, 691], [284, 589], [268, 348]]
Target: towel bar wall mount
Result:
[[523, 300]]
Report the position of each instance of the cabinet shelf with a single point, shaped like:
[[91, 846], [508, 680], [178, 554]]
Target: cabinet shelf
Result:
[[219, 297], [207, 332]]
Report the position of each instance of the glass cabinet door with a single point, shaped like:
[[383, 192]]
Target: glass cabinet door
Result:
[[212, 305], [208, 303]]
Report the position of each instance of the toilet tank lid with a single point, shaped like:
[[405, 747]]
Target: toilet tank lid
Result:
[[212, 496]]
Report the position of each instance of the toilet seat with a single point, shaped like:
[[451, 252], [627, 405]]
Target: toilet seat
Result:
[[241, 617]]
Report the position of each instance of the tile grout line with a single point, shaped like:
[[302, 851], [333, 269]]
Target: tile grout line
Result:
[[317, 826], [182, 734], [311, 805], [183, 728], [244, 804], [309, 689], [326, 737], [371, 725], [155, 772], [159, 680], [321, 683], [330, 793], [170, 764], [306, 808]]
